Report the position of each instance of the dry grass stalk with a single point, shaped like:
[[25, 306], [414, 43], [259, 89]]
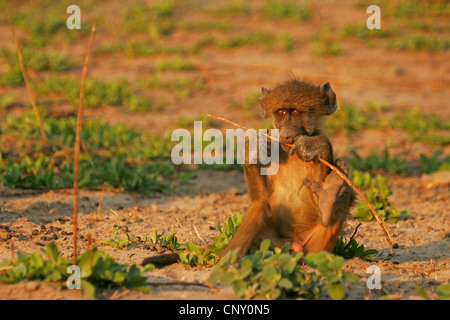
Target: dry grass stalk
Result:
[[332, 167], [198, 235], [77, 149], [426, 273], [25, 76], [13, 250]]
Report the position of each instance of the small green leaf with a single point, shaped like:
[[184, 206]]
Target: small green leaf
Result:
[[227, 278], [154, 236], [336, 263], [192, 247], [290, 266], [285, 284], [422, 293], [215, 275], [148, 267], [265, 245], [36, 260], [245, 269], [274, 294], [87, 261], [240, 287], [51, 252], [269, 271], [54, 276], [183, 257], [88, 288], [336, 291], [350, 277], [443, 291], [118, 277]]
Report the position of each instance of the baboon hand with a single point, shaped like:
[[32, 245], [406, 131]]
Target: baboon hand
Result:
[[303, 148], [328, 192], [309, 148]]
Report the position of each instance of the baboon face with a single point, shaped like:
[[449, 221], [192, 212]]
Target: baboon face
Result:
[[296, 108]]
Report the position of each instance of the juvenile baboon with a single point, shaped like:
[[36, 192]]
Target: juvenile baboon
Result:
[[303, 203]]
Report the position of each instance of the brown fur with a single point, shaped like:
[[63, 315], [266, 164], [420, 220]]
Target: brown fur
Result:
[[286, 206]]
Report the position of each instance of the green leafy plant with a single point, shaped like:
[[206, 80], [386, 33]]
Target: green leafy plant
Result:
[[119, 243], [377, 193], [324, 44], [141, 48], [224, 237], [49, 266], [443, 291], [380, 202], [375, 162], [277, 274], [262, 39], [38, 61], [330, 267], [349, 249], [203, 42], [125, 158], [365, 180], [405, 8], [98, 270], [348, 120], [419, 43], [167, 240], [155, 19], [174, 65], [433, 163], [361, 32], [423, 127], [98, 93], [286, 9], [194, 255], [191, 254]]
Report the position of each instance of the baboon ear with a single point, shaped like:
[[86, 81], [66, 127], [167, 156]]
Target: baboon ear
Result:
[[330, 105], [264, 93]]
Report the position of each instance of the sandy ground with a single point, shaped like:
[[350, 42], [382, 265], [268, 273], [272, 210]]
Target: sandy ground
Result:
[[360, 75], [421, 254]]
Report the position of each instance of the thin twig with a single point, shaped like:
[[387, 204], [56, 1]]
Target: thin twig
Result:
[[413, 268], [332, 167], [77, 147], [356, 230], [25, 76], [100, 201], [354, 233], [374, 212], [13, 250], [198, 235]]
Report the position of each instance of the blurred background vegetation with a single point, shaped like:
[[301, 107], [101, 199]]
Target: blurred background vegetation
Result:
[[160, 65]]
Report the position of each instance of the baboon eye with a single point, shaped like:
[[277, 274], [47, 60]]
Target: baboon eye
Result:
[[281, 112], [295, 112]]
